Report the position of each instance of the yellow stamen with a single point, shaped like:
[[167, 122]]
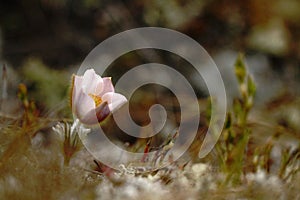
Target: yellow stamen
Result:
[[97, 99]]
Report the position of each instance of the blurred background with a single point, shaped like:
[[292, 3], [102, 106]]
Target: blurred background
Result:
[[42, 42]]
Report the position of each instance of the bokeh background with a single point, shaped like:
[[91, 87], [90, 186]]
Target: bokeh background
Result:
[[44, 41]]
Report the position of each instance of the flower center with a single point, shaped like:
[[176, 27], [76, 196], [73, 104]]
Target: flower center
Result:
[[96, 99]]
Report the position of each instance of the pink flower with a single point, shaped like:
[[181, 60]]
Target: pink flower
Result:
[[93, 98]]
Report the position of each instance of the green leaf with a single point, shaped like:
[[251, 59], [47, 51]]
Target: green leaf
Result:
[[240, 69], [251, 87]]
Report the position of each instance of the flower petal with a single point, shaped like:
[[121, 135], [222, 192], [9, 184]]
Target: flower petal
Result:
[[76, 87], [107, 86], [96, 115], [83, 105], [114, 100], [91, 82]]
